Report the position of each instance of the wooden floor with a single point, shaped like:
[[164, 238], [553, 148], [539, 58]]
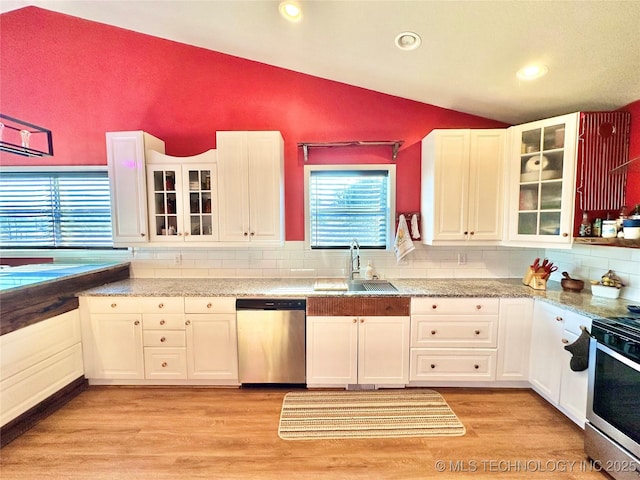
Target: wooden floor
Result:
[[204, 433]]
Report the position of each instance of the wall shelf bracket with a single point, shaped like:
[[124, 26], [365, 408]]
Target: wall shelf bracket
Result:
[[394, 144]]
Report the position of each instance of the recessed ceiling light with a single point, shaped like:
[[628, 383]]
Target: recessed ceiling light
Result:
[[531, 72], [291, 11], [408, 41]]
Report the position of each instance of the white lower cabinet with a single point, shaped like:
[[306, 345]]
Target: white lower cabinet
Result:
[[37, 361], [343, 350], [160, 340], [514, 339], [453, 339], [550, 373]]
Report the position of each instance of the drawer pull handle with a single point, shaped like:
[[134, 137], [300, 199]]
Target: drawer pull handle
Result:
[[355, 320], [558, 319], [477, 332], [209, 305], [478, 307], [476, 366], [433, 365], [434, 306], [161, 305], [114, 305], [433, 332], [164, 364], [163, 339], [188, 322], [137, 322], [362, 320], [162, 322], [565, 341]]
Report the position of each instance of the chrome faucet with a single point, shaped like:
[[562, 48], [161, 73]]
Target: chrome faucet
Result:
[[354, 258]]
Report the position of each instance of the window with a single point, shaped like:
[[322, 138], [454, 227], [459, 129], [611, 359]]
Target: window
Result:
[[55, 209], [349, 201]]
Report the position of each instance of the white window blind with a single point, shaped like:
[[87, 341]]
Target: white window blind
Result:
[[55, 209], [345, 204]]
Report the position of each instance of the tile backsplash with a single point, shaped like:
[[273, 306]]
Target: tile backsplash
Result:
[[294, 260]]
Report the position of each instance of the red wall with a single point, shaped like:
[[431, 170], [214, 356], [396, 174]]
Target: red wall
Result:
[[81, 79]]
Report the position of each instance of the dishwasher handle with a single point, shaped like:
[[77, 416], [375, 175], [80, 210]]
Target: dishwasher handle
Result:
[[270, 304]]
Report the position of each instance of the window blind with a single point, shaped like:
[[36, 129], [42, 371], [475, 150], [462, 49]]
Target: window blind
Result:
[[55, 209], [344, 205]]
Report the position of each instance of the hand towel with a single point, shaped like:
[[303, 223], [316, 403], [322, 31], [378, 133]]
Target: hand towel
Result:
[[403, 244], [415, 230]]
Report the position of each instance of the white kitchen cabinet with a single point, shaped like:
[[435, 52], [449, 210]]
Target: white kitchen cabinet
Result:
[[550, 374], [514, 339], [182, 197], [462, 186], [453, 339], [541, 182], [251, 186], [37, 361], [343, 350], [212, 340], [126, 154]]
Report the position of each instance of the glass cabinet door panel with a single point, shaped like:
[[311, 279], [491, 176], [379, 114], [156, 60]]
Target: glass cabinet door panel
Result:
[[528, 223], [531, 140], [550, 223], [200, 213], [554, 137], [551, 196], [528, 197]]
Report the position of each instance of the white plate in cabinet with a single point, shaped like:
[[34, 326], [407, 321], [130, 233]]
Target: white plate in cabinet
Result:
[[210, 305], [165, 363], [162, 304], [455, 306], [452, 364], [454, 331], [160, 321], [164, 338]]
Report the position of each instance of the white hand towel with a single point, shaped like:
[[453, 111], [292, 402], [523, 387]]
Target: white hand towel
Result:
[[415, 230], [403, 244]]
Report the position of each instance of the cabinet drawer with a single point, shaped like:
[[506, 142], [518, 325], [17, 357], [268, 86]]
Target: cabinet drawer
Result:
[[454, 331], [164, 338], [162, 304], [455, 306], [452, 364], [210, 305], [160, 321], [165, 363], [114, 304]]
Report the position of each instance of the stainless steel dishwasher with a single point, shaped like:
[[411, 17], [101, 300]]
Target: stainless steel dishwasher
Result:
[[271, 341]]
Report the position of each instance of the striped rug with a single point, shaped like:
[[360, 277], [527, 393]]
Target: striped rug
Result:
[[366, 414]]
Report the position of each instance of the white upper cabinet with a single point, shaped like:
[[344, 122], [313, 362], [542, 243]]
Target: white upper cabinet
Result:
[[462, 186], [251, 186], [541, 179], [126, 153], [182, 197]]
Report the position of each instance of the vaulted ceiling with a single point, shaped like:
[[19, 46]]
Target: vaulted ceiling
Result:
[[467, 61]]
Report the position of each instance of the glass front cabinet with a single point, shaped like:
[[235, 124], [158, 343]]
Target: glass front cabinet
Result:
[[541, 165], [182, 199]]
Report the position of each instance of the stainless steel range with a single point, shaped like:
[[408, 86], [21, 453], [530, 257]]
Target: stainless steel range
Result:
[[612, 431]]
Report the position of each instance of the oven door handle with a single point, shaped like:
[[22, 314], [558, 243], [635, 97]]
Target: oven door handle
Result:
[[618, 356]]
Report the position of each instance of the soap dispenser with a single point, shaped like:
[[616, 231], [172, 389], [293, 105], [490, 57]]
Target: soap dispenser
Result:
[[368, 272]]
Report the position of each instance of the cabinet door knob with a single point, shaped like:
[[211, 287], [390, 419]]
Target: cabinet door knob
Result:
[[362, 320], [434, 306], [161, 305], [558, 319], [164, 364], [471, 233], [433, 332], [565, 234], [466, 233], [209, 305], [355, 320], [137, 322], [253, 233], [433, 365], [114, 305], [162, 322], [478, 307], [246, 234], [142, 234], [476, 366], [188, 322], [163, 339], [565, 341], [477, 332]]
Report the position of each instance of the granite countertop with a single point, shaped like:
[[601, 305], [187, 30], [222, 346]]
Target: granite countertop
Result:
[[583, 303]]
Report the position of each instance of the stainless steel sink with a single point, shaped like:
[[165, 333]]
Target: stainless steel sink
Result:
[[376, 286]]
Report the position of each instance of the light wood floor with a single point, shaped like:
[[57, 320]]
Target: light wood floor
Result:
[[191, 433]]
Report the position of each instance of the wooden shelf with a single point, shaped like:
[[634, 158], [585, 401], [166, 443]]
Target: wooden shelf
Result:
[[612, 242], [394, 144]]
